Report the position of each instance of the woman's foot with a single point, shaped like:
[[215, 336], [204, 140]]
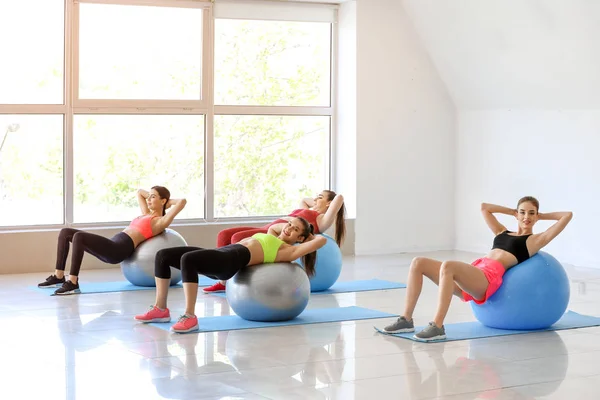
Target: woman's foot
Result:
[[186, 323], [155, 314], [402, 325], [52, 281], [68, 288], [216, 288], [431, 332]]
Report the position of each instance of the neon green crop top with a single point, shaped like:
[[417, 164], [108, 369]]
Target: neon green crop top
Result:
[[270, 245]]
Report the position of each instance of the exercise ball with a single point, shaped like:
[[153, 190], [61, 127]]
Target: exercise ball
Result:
[[534, 295], [269, 292], [139, 268], [328, 266]]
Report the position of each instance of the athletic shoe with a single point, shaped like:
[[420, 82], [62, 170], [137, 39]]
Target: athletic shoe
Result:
[[68, 288], [52, 281], [186, 324], [216, 288], [155, 314]]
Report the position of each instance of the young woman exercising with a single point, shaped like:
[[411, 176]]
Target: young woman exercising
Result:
[[153, 221], [321, 212], [481, 279], [223, 263]]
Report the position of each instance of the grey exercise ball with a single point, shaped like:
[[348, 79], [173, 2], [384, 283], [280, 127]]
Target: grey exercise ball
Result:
[[139, 268], [269, 292]]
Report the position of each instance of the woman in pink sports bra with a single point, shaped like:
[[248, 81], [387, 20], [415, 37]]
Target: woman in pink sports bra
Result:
[[482, 278], [153, 221], [321, 212]]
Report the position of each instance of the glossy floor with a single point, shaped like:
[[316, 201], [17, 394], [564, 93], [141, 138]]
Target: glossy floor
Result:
[[88, 347]]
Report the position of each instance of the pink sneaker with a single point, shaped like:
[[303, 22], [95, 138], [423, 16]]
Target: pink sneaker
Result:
[[186, 324], [155, 314], [216, 288]]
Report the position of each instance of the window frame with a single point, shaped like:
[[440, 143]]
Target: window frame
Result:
[[72, 106]]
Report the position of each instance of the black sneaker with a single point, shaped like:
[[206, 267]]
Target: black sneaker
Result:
[[52, 281], [68, 288]]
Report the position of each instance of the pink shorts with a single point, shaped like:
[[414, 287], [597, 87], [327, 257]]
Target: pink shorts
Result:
[[493, 271]]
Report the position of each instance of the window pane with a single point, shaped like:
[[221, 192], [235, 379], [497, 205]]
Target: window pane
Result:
[[138, 52], [264, 165], [31, 169], [31, 52], [114, 155], [272, 63]]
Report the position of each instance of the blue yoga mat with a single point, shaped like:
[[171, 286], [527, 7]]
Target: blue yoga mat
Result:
[[474, 330], [353, 286], [120, 286], [313, 316]]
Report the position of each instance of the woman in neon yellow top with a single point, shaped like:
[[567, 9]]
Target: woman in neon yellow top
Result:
[[225, 262]]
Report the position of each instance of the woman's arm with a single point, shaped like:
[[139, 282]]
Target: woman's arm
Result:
[[540, 240], [291, 253], [276, 229], [307, 203], [326, 220], [488, 210], [142, 195], [175, 208]]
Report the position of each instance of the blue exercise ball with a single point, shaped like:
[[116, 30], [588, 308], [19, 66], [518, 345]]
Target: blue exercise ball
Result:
[[138, 269], [534, 295], [269, 292], [328, 266]]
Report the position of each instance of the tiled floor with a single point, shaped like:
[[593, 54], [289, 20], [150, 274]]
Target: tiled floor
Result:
[[88, 347]]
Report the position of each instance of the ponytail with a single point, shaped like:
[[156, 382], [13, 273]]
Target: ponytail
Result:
[[309, 260]]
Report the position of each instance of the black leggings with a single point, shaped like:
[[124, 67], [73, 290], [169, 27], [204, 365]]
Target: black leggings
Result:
[[221, 263], [111, 251]]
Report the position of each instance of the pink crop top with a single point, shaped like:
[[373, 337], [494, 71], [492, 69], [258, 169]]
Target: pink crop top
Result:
[[143, 225], [309, 215]]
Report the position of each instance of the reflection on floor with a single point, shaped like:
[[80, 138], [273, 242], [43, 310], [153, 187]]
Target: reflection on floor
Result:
[[88, 347]]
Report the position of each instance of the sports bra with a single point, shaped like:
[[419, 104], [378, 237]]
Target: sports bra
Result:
[[143, 224], [515, 245], [270, 245], [309, 215]]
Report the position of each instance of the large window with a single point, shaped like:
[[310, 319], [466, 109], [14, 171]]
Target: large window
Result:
[[31, 51], [31, 169], [272, 63], [138, 52], [264, 165], [228, 104], [114, 155]]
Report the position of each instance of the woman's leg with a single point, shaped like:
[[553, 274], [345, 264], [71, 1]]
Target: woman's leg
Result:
[[224, 237], [232, 236], [419, 267], [456, 276], [221, 263], [164, 260], [239, 236], [111, 251], [65, 237]]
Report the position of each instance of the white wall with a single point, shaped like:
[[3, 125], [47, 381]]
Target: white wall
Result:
[[503, 155], [405, 137], [345, 157], [497, 54]]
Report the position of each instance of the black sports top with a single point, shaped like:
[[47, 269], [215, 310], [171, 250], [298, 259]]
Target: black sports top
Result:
[[515, 245]]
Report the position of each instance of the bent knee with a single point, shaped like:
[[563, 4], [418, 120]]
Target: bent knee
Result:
[[418, 263], [447, 267]]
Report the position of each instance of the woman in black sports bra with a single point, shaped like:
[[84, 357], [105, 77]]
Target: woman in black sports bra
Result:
[[482, 278]]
